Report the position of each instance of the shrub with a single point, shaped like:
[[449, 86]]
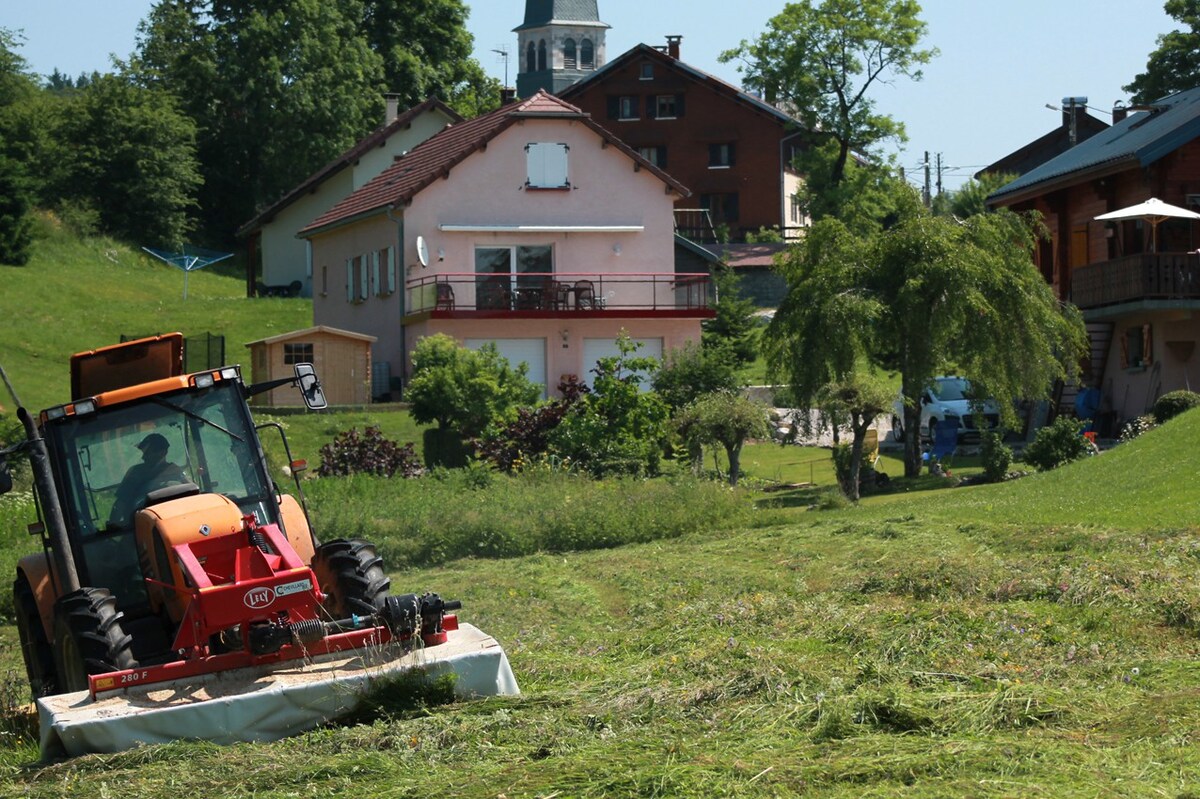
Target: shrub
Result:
[[1173, 403], [995, 455], [1136, 427], [526, 438], [1057, 444], [693, 371], [368, 452]]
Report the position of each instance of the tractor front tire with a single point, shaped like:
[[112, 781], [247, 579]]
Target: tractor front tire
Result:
[[351, 576], [39, 657], [89, 638]]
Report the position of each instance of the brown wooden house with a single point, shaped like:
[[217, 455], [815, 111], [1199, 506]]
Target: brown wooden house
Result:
[[342, 360], [1141, 302], [732, 150]]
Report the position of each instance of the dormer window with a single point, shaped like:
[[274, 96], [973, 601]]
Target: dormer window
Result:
[[546, 165], [569, 59]]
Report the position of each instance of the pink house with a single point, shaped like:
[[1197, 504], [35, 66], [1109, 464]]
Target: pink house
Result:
[[530, 227]]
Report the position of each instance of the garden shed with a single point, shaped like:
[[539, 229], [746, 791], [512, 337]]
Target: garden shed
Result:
[[342, 360]]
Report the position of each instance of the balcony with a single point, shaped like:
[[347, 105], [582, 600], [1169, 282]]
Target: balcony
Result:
[[452, 295], [1135, 278]]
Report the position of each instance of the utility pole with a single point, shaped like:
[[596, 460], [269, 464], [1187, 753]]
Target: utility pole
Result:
[[939, 174], [928, 196]]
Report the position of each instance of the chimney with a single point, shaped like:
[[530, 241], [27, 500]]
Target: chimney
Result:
[[1072, 109], [393, 108], [508, 95], [1120, 111], [673, 46]]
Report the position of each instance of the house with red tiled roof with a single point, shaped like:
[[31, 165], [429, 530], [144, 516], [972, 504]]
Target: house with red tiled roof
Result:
[[271, 235], [531, 227]]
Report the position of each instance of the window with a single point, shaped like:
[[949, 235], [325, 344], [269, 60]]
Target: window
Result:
[[357, 277], [797, 210], [722, 208], [627, 107], [1137, 347], [390, 260], [720, 156], [541, 54], [504, 274], [656, 155], [546, 166], [375, 274], [324, 281], [531, 58], [647, 71], [569, 60], [297, 353], [587, 55], [664, 106]]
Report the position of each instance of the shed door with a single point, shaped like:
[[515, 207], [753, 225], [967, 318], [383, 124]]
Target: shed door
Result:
[[596, 348], [530, 351]]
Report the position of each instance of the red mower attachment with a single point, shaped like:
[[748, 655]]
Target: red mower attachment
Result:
[[248, 599]]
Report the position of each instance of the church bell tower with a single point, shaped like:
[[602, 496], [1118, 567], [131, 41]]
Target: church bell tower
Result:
[[560, 42]]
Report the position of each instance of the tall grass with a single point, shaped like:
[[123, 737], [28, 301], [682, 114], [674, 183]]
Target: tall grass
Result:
[[479, 514]]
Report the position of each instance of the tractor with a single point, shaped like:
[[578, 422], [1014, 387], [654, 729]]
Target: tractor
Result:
[[168, 551]]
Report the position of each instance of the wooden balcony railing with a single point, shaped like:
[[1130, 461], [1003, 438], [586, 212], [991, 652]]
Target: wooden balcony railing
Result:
[[1145, 276], [554, 293]]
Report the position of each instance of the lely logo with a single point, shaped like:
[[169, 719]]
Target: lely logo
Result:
[[259, 598]]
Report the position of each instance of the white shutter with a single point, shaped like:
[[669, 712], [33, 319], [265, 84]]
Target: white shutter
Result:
[[375, 273], [349, 280], [364, 288], [547, 165], [391, 270], [529, 351]]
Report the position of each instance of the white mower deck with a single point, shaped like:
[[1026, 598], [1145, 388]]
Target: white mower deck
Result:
[[262, 703]]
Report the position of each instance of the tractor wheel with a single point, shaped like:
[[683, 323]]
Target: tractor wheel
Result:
[[351, 576], [89, 638], [39, 657], [897, 430]]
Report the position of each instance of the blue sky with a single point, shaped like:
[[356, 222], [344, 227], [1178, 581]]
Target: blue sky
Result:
[[985, 96]]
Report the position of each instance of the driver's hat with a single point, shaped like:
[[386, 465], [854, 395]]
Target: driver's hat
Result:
[[155, 442]]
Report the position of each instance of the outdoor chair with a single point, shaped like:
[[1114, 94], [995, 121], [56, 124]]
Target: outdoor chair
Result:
[[445, 297], [585, 295]]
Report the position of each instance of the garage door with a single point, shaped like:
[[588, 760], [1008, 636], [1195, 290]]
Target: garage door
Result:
[[596, 348], [529, 351]]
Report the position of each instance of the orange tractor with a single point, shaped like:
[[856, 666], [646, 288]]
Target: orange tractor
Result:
[[168, 552]]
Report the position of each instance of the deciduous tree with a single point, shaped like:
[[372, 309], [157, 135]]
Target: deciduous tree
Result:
[[1175, 64]]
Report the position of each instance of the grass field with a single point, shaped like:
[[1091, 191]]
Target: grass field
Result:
[[1033, 638]]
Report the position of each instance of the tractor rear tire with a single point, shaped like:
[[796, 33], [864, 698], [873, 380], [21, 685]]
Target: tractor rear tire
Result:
[[39, 657], [351, 576], [89, 638]]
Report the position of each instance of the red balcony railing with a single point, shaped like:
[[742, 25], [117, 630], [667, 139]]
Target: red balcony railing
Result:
[[552, 293], [1145, 276]]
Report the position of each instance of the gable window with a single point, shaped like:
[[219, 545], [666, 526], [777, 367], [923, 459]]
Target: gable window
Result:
[[720, 156], [297, 353], [587, 55], [627, 106], [647, 72], [664, 106], [656, 155], [531, 58], [569, 59], [541, 54], [546, 165]]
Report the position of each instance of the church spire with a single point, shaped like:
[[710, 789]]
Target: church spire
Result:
[[560, 42]]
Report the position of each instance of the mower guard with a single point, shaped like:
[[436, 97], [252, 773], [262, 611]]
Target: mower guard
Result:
[[263, 703]]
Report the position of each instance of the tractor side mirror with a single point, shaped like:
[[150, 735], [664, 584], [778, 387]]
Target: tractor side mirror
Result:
[[310, 387], [6, 481]]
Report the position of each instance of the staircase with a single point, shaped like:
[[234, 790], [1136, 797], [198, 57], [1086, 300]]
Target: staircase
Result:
[[1100, 336]]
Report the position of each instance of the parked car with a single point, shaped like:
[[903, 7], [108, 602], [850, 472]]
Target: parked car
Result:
[[949, 397]]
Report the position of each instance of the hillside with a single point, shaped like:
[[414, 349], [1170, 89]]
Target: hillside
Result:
[[82, 293]]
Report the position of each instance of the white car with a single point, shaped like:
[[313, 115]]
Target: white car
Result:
[[948, 398]]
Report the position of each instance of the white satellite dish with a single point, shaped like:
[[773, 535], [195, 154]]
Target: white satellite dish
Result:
[[422, 251]]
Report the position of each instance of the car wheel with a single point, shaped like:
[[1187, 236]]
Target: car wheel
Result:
[[897, 430], [927, 433]]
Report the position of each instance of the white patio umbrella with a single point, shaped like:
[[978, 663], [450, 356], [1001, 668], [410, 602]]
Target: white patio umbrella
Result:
[[1154, 211]]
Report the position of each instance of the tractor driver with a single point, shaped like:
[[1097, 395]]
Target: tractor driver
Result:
[[154, 472]]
